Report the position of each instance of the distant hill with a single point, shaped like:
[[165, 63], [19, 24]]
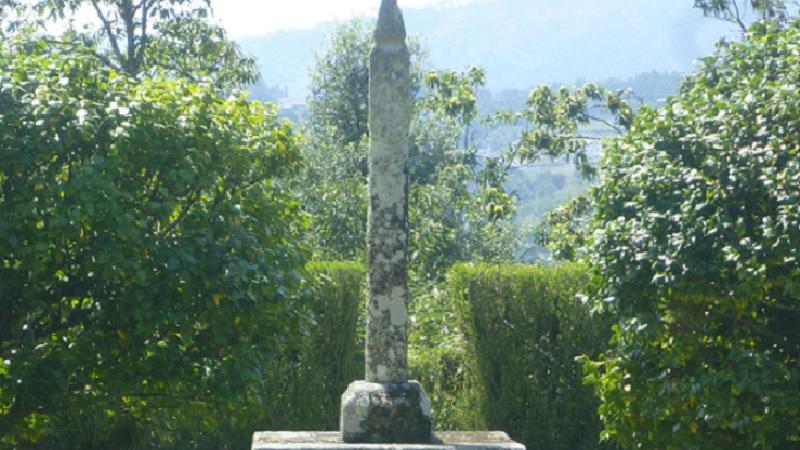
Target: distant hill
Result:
[[523, 43]]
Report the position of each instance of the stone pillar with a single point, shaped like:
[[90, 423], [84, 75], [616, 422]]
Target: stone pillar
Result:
[[387, 223], [387, 407]]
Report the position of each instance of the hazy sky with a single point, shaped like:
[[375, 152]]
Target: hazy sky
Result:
[[257, 17], [260, 17]]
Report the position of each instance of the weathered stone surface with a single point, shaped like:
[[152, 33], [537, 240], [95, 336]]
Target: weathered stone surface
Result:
[[387, 408], [386, 413], [387, 225], [474, 440]]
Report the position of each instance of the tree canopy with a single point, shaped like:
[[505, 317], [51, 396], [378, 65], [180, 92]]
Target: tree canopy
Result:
[[150, 255], [740, 11], [149, 37], [457, 210], [697, 256]]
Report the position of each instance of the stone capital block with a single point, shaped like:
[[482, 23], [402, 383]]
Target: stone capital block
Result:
[[386, 413]]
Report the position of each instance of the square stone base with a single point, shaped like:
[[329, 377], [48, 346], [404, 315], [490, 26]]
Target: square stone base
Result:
[[314, 440], [385, 413]]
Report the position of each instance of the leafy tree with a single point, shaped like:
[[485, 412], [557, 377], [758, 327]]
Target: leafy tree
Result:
[[194, 49], [454, 94], [7, 9], [147, 37], [565, 230], [336, 147], [334, 192], [460, 210], [464, 214], [149, 255], [554, 122], [565, 123], [736, 11], [697, 255], [455, 206], [340, 83], [340, 86], [559, 123]]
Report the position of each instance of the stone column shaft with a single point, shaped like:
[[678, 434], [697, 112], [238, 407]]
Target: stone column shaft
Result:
[[387, 229], [387, 407]]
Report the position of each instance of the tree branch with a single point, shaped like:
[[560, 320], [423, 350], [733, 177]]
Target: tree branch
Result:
[[129, 19], [112, 38], [145, 6], [184, 212], [738, 16], [606, 123]]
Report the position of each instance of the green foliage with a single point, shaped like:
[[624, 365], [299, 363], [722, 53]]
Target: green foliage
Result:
[[451, 221], [305, 388], [736, 11], [439, 357], [149, 260], [565, 229], [190, 47], [340, 85], [526, 327], [151, 37], [335, 195], [7, 8], [457, 209], [697, 255], [554, 123], [564, 124], [10, 13], [453, 94], [338, 103]]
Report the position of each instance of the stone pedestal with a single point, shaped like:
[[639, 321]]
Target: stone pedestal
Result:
[[385, 413], [454, 440]]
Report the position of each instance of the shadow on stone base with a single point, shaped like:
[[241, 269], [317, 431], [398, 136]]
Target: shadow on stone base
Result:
[[385, 413]]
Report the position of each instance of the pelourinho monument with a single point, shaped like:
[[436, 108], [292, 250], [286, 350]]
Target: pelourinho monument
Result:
[[386, 410]]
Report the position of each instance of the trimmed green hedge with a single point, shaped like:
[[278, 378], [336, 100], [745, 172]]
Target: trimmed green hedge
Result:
[[440, 358], [306, 389], [525, 327]]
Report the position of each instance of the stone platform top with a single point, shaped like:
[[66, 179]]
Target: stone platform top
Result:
[[332, 440]]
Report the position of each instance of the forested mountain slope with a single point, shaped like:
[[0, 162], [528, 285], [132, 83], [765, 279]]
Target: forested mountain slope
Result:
[[522, 43]]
